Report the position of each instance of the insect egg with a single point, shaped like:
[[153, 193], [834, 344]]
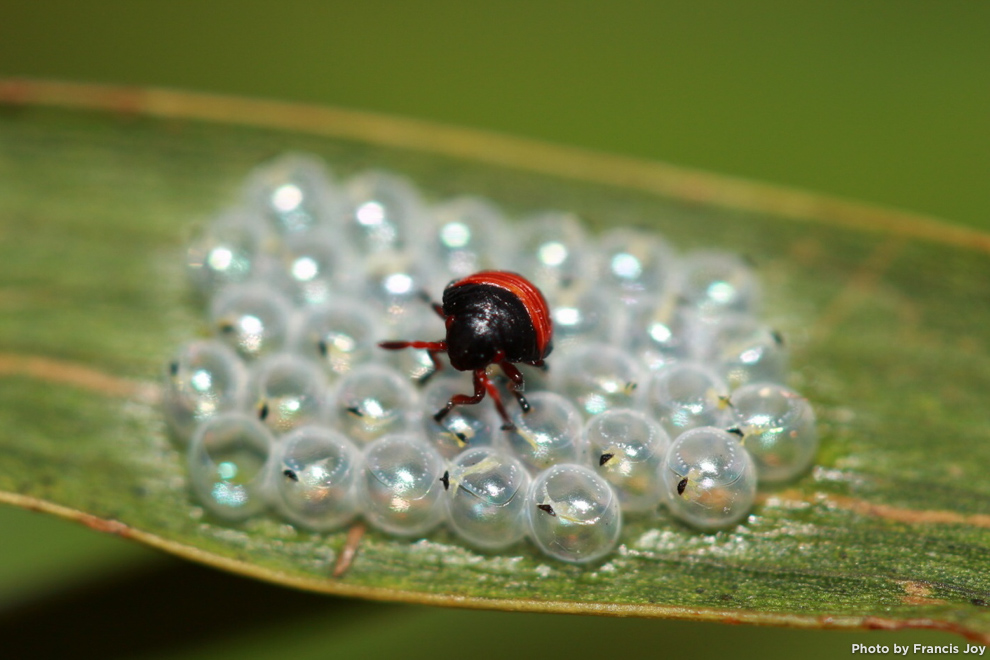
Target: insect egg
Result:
[[314, 477], [574, 515], [713, 282], [395, 282], [289, 392], [627, 448], [385, 213], [313, 262], [339, 335], [549, 433], [486, 498], [400, 487], [778, 427], [656, 330], [227, 465], [464, 427], [555, 250], [744, 350], [686, 395], [635, 263], [598, 376], [204, 378], [469, 236], [373, 401], [253, 319], [581, 313], [293, 193], [228, 252], [709, 480]]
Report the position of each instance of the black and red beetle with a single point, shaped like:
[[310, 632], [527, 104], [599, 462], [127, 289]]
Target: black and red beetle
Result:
[[492, 317]]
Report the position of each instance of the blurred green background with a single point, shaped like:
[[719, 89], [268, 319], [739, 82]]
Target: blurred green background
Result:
[[887, 102]]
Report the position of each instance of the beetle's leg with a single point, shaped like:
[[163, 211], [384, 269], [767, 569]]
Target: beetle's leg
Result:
[[480, 385], [541, 365], [507, 424], [516, 383], [436, 346]]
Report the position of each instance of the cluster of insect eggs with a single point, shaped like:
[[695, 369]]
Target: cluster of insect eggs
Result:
[[663, 387]]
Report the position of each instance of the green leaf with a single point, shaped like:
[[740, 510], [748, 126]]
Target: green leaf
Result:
[[886, 315]]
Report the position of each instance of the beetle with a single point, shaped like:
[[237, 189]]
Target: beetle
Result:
[[492, 317]]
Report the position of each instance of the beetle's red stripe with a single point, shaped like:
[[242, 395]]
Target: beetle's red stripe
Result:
[[528, 294]]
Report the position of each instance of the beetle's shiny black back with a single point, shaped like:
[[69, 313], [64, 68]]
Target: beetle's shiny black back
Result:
[[487, 319]]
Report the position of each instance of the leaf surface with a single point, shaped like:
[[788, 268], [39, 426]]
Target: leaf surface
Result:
[[886, 315]]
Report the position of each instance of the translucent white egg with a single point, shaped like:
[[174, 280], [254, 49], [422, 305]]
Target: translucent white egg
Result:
[[581, 313], [554, 251], [288, 391], [395, 283], [400, 489], [627, 449], [371, 401], [709, 480], [656, 330], [253, 319], [468, 235], [549, 433], [313, 265], [202, 379], [597, 376], [778, 427], [229, 251], [227, 460], [634, 263], [574, 515], [338, 335], [744, 350], [486, 498], [686, 395], [294, 193], [464, 427], [386, 213], [713, 282], [313, 477]]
